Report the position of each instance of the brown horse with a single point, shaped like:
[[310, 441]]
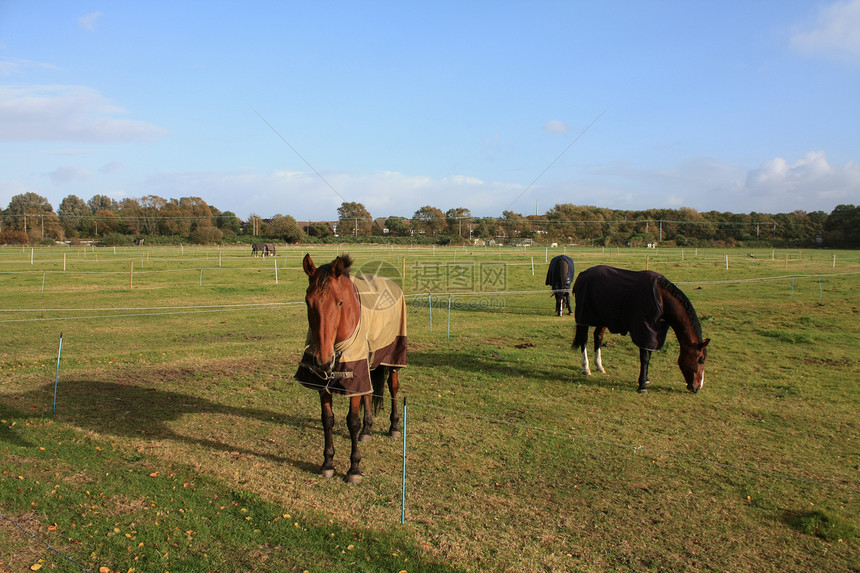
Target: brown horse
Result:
[[356, 335], [645, 304]]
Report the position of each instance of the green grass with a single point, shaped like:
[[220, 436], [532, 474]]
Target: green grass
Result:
[[181, 443]]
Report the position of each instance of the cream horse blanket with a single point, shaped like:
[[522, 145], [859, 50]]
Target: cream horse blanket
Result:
[[378, 340]]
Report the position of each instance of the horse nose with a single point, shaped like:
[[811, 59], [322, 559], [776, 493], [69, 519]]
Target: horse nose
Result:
[[325, 365]]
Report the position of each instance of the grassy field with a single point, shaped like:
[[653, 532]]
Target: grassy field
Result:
[[180, 442]]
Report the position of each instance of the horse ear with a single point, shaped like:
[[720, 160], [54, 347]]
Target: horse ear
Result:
[[704, 343], [337, 267], [308, 265]]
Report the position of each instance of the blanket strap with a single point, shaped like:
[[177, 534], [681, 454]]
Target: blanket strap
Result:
[[326, 375]]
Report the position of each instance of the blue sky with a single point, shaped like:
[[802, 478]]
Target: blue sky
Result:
[[295, 107]]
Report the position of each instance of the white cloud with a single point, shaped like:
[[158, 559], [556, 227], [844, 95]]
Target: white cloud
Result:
[[68, 174], [810, 180], [11, 66], [306, 197], [89, 21], [836, 33], [556, 126], [112, 167], [67, 113]]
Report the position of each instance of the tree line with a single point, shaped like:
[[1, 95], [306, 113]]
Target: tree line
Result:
[[30, 219]]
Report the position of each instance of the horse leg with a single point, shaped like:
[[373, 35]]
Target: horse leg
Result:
[[567, 302], [580, 340], [644, 360], [598, 342], [367, 424], [353, 422], [393, 387], [327, 469]]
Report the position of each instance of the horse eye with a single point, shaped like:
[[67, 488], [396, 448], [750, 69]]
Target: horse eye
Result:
[[340, 303]]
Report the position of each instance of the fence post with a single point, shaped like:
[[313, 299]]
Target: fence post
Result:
[[57, 379], [449, 316], [403, 481]]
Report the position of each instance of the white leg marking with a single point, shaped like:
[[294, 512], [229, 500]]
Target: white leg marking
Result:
[[598, 361], [585, 368]]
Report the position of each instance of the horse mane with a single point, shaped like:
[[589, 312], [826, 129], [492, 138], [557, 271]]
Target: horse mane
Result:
[[324, 272], [675, 292]]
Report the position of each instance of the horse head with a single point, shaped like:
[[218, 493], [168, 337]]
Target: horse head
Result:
[[332, 307], [692, 364]]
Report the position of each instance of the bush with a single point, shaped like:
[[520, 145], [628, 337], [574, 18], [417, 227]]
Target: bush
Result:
[[206, 235], [116, 239], [12, 237]]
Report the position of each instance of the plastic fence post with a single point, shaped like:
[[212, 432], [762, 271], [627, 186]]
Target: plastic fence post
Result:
[[403, 481], [449, 316], [57, 379]]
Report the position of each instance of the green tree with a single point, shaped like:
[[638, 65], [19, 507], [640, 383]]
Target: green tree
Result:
[[428, 220], [102, 203], [228, 222], [131, 216], [73, 213], [33, 214], [398, 226], [353, 219], [457, 220], [842, 228], [150, 212], [286, 229]]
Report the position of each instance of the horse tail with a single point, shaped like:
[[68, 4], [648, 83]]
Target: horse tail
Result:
[[580, 339], [377, 380]]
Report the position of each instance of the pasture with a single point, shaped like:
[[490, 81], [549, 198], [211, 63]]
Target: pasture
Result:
[[180, 441]]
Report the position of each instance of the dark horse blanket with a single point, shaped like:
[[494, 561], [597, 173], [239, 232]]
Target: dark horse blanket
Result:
[[378, 340], [623, 301], [555, 276]]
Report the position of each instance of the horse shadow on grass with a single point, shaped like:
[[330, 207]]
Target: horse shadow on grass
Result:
[[501, 363], [133, 411]]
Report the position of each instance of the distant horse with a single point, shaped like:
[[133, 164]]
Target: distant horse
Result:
[[356, 335], [258, 249], [645, 304], [268, 250], [559, 276]]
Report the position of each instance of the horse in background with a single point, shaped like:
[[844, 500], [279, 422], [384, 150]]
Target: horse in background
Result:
[[559, 276], [356, 336], [263, 249], [645, 304]]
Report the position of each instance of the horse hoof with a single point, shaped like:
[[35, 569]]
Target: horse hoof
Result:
[[395, 433], [327, 473], [643, 390], [354, 479], [365, 438]]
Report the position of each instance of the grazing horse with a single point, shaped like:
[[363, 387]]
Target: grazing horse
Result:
[[258, 249], [645, 304], [559, 276], [268, 250], [356, 335]]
